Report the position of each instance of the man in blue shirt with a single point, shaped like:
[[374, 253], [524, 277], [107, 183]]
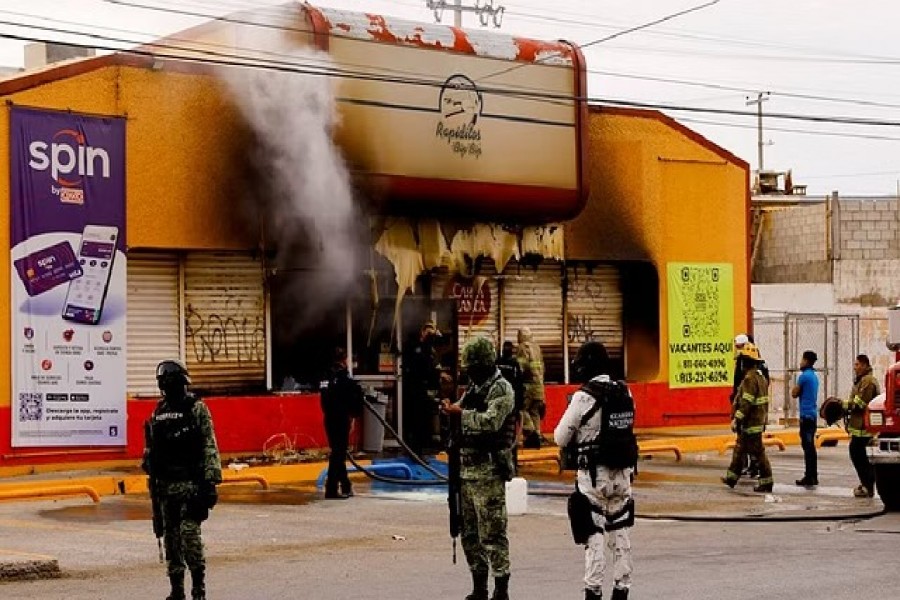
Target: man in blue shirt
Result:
[[807, 390]]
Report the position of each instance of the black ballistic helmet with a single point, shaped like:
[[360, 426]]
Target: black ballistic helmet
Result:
[[172, 373], [590, 361]]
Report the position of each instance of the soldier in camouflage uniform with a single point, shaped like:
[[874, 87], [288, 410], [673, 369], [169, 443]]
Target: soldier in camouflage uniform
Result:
[[183, 459], [532, 362], [750, 414], [488, 436]]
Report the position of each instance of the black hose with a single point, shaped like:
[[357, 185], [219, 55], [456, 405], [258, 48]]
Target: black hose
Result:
[[440, 478], [559, 493]]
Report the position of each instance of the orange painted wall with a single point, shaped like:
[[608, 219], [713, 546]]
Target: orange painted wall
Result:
[[661, 193], [184, 161]]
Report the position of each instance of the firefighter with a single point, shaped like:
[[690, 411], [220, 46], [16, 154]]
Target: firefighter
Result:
[[750, 468], [600, 422], [749, 416], [342, 401], [865, 387]]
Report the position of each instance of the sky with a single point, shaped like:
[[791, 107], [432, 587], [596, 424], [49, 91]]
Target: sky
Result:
[[814, 58]]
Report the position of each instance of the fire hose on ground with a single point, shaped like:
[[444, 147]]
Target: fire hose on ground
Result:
[[564, 491], [440, 478]]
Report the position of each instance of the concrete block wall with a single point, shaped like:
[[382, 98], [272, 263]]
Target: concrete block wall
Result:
[[869, 229], [793, 248], [867, 283]]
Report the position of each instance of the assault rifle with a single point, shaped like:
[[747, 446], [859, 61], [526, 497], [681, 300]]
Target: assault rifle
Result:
[[153, 487], [454, 478]]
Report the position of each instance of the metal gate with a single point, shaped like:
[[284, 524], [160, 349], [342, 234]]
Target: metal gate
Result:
[[784, 337]]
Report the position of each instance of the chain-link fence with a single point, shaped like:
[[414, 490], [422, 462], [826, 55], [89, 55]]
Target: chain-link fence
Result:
[[783, 338]]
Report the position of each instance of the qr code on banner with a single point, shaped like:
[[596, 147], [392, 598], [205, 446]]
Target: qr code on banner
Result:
[[31, 406]]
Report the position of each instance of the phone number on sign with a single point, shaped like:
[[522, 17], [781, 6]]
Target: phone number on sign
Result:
[[703, 377]]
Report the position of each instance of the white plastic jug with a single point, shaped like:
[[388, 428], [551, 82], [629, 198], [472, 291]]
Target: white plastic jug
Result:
[[517, 496]]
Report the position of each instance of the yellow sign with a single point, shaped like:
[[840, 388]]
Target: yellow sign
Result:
[[701, 324]]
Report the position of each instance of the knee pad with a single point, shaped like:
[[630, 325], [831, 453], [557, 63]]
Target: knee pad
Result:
[[621, 519]]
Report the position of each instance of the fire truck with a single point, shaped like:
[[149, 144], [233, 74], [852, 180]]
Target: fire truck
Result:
[[883, 419]]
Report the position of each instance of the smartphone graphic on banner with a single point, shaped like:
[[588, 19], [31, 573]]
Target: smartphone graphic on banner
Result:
[[86, 295]]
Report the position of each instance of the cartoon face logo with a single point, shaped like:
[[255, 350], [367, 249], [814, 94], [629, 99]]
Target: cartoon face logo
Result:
[[68, 334], [46, 364], [88, 365], [460, 101], [29, 333], [107, 337]]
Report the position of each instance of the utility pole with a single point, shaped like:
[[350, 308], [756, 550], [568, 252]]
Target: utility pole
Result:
[[488, 14], [760, 98]]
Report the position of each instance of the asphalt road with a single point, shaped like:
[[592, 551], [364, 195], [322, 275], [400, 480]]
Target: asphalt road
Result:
[[386, 547]]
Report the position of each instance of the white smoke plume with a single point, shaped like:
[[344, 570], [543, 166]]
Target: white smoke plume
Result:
[[306, 192]]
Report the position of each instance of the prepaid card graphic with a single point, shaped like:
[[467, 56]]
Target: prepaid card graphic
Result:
[[47, 268]]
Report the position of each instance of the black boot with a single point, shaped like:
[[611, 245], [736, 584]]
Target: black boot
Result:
[[479, 586], [592, 595], [620, 593], [177, 583], [501, 588], [198, 584]]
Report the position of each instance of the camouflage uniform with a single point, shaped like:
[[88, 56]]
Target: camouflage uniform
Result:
[[488, 432], [532, 362], [751, 411], [179, 494]]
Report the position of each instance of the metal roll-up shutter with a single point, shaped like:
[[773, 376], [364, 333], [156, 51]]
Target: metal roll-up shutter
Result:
[[533, 298], [225, 320], [594, 306], [153, 318], [477, 315]]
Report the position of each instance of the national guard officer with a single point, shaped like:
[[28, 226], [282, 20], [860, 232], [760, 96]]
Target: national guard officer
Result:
[[599, 426], [182, 459], [488, 436]]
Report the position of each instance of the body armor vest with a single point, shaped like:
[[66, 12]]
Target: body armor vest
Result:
[[616, 447], [177, 452], [504, 439]]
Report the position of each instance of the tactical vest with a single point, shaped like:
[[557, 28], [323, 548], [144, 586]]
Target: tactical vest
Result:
[[616, 447], [504, 439], [177, 452]]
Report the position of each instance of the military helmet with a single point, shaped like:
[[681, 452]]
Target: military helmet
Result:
[[591, 360], [478, 352], [170, 372]]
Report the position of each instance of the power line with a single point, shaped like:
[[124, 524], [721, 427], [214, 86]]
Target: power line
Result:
[[235, 20], [747, 89], [791, 130], [579, 21], [226, 59], [618, 34]]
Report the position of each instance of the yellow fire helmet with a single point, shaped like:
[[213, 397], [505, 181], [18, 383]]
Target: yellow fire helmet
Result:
[[749, 350]]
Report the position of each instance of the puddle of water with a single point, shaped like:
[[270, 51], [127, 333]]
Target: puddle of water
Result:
[[101, 513], [281, 496]]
